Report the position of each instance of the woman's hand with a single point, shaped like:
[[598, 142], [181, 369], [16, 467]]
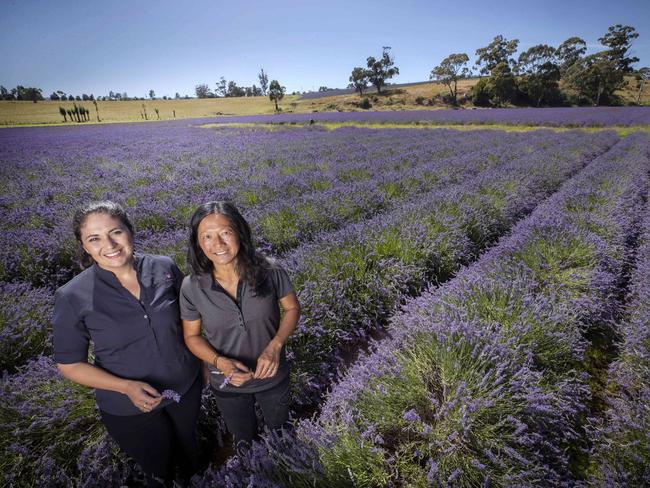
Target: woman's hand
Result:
[[269, 361], [236, 371], [144, 396]]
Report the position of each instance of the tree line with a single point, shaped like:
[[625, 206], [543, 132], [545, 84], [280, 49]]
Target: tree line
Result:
[[532, 78], [36, 95], [226, 89], [545, 75], [21, 93]]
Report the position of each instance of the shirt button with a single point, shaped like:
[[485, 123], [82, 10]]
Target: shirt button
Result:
[[146, 316]]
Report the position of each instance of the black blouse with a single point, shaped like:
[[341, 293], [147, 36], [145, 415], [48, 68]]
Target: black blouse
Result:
[[134, 339]]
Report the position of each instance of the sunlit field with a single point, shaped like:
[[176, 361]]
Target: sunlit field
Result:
[[47, 112], [475, 306]]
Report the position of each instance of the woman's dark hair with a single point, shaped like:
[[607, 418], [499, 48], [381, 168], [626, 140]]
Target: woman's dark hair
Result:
[[251, 265], [113, 209]]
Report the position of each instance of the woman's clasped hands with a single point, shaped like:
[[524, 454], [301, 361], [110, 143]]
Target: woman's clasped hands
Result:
[[237, 373]]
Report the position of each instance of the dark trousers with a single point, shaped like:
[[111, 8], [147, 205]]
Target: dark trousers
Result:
[[238, 410], [162, 438]]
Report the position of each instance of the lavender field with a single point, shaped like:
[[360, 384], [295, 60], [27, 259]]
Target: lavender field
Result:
[[475, 303], [548, 117]]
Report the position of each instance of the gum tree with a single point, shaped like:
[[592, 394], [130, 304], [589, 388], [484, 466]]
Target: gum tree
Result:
[[498, 51], [619, 41], [202, 91], [276, 93], [382, 69], [569, 52], [359, 80], [450, 70], [595, 78], [539, 74], [496, 60], [598, 76]]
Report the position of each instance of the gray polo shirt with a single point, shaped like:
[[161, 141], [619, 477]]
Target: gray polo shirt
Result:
[[134, 339], [237, 328]]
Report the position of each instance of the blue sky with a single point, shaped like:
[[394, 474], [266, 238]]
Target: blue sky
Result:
[[170, 46]]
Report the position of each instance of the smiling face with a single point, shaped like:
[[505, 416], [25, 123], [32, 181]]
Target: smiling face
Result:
[[107, 240], [218, 239]]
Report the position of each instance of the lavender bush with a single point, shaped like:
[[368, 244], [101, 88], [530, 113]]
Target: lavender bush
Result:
[[25, 315], [621, 436], [51, 434]]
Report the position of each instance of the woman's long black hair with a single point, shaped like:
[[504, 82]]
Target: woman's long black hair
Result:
[[251, 265], [108, 207]]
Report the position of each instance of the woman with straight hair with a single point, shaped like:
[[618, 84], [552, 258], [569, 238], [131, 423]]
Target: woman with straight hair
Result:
[[147, 384], [230, 308]]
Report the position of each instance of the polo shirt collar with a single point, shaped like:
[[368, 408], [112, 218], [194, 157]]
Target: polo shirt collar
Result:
[[205, 280]]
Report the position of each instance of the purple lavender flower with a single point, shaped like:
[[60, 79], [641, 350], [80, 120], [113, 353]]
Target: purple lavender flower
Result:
[[411, 416], [225, 381], [171, 395], [433, 471]]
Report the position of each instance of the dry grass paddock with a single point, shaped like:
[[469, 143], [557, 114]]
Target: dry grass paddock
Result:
[[47, 112]]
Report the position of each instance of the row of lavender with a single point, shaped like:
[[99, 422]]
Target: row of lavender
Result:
[[281, 179], [50, 418], [550, 117], [351, 280], [621, 437], [487, 380]]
